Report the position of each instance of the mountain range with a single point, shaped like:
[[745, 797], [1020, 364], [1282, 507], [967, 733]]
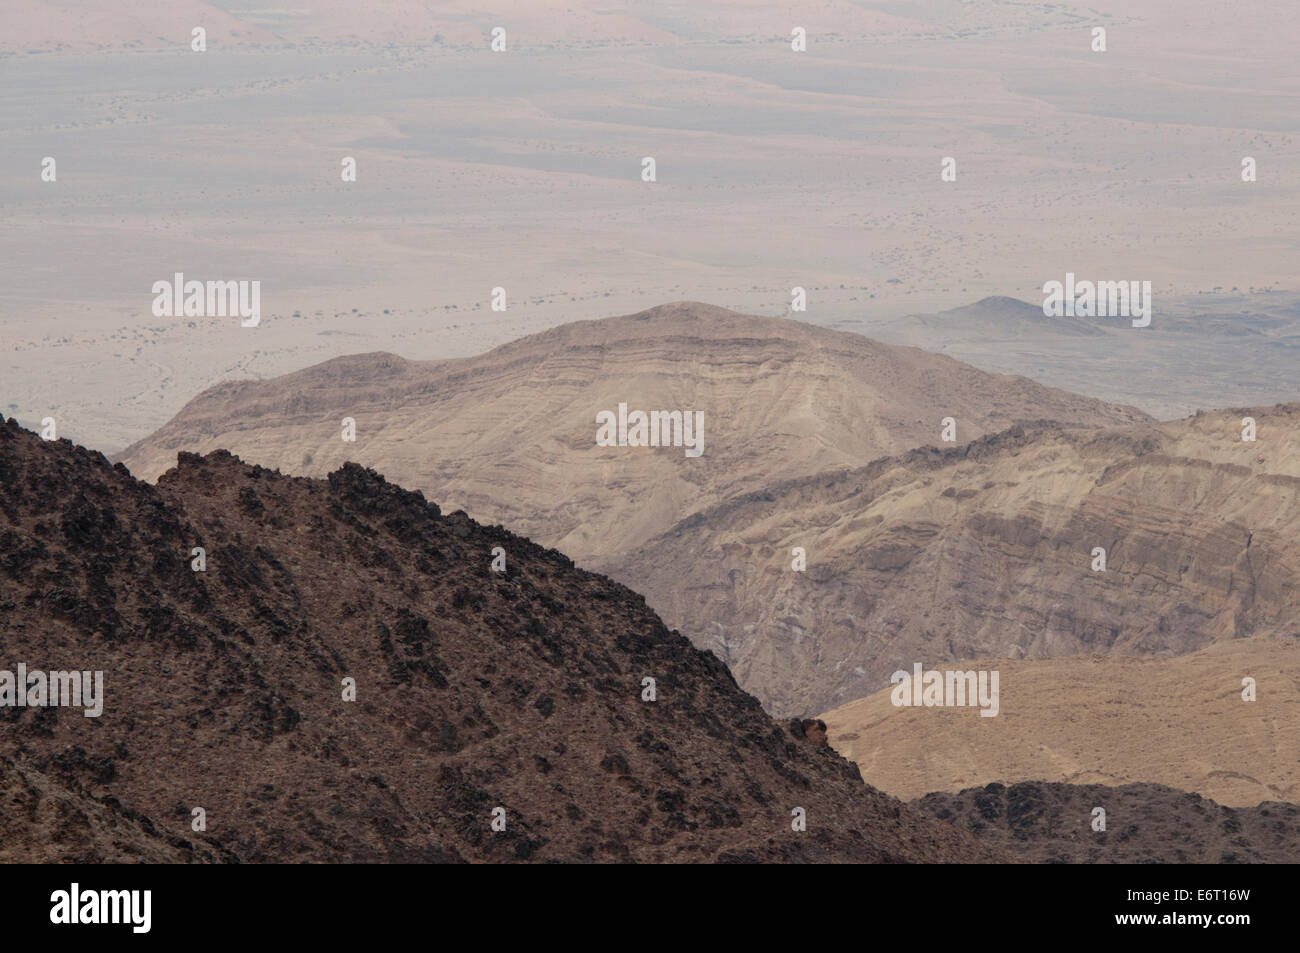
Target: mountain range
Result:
[[829, 536], [510, 435], [516, 698], [988, 551]]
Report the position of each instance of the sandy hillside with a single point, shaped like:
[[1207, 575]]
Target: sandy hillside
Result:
[[510, 435], [1180, 722]]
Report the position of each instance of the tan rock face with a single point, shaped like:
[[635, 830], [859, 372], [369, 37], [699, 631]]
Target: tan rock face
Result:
[[986, 551], [510, 436]]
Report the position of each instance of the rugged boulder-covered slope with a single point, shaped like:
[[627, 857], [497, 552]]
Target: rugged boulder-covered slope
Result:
[[1145, 824], [49, 822], [226, 689]]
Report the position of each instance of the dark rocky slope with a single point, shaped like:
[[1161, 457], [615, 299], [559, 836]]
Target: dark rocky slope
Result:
[[47, 821], [475, 689], [1145, 823]]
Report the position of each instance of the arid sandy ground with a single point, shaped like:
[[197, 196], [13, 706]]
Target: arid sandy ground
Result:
[[1093, 720], [522, 169]]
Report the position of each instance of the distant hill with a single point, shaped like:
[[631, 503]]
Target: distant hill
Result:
[[986, 551], [1192, 357], [1008, 319], [510, 435]]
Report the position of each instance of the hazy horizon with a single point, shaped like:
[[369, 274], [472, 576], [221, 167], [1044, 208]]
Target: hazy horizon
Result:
[[521, 169]]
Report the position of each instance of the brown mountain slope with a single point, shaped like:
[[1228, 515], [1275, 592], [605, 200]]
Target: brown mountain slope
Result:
[[985, 551], [1179, 722], [510, 435], [474, 690], [1145, 824], [44, 821]]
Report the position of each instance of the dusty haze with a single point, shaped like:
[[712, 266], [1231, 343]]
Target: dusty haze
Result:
[[522, 170]]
